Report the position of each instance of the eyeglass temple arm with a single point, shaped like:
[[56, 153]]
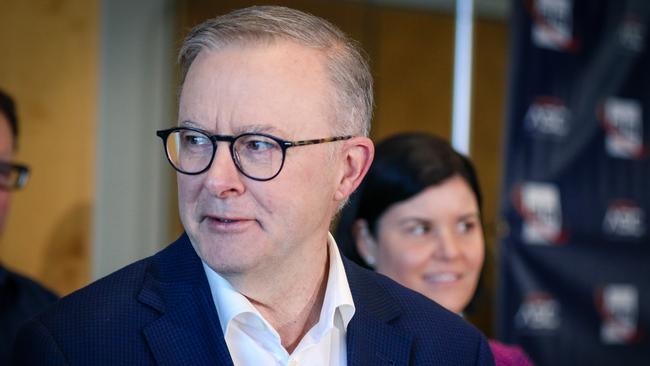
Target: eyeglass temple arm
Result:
[[316, 141]]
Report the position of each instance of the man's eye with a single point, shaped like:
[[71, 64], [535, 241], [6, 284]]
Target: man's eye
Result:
[[191, 139], [259, 145]]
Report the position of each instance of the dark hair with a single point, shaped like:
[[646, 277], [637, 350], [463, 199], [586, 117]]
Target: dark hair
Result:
[[404, 165], [8, 108]]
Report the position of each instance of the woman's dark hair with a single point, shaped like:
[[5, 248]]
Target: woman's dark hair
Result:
[[405, 165]]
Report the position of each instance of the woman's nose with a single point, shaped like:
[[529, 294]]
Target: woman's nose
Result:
[[447, 246]]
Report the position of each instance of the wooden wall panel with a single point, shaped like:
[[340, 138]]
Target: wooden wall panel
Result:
[[413, 64]]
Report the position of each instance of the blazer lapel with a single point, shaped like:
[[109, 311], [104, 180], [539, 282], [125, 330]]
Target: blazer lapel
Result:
[[188, 330], [371, 340]]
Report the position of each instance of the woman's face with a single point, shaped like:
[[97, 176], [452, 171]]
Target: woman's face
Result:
[[433, 243]]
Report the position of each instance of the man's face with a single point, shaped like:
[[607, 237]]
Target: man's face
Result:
[[6, 154], [236, 224]]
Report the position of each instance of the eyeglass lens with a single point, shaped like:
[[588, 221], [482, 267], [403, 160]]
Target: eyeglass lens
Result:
[[257, 156], [11, 177]]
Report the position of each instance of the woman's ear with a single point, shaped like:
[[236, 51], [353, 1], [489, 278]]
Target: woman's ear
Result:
[[365, 243]]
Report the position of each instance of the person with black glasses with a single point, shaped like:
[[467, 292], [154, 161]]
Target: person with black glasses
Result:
[[270, 141], [20, 297]]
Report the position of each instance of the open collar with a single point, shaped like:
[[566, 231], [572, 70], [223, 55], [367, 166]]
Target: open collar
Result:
[[189, 332], [231, 304]]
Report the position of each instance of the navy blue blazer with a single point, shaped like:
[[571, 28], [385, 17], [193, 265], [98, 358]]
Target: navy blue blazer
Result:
[[20, 299], [160, 311]]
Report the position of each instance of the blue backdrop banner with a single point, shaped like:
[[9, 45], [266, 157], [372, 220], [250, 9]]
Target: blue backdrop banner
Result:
[[575, 252]]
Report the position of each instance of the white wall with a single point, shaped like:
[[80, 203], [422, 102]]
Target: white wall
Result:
[[136, 98]]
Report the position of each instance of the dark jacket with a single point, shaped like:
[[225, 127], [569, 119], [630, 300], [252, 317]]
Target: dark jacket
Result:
[[20, 299], [160, 311]]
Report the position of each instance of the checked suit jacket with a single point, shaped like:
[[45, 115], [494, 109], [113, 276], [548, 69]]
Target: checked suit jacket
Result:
[[159, 311]]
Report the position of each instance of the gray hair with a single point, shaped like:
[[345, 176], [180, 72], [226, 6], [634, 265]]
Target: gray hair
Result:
[[348, 69]]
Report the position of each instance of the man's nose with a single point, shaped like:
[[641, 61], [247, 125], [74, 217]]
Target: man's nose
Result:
[[223, 178]]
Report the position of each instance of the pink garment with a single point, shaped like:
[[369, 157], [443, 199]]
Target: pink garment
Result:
[[508, 355]]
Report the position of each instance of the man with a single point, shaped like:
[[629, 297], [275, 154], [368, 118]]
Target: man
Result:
[[274, 111], [20, 297]]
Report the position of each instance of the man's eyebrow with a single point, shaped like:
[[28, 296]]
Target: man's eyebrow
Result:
[[188, 123], [256, 128], [249, 128], [261, 128]]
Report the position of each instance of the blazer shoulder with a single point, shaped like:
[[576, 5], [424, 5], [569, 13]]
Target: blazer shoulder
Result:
[[110, 293], [117, 293], [82, 322], [439, 335], [419, 309], [103, 323]]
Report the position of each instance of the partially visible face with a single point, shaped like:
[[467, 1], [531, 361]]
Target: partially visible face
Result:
[[6, 154], [237, 224], [433, 243]]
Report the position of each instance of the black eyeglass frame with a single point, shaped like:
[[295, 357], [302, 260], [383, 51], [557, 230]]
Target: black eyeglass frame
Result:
[[284, 145], [23, 175]]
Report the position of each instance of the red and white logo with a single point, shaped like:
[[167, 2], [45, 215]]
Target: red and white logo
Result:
[[538, 312], [539, 206], [625, 219], [553, 24], [548, 116], [623, 124], [618, 305]]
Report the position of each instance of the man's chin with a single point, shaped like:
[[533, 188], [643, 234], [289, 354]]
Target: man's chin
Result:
[[231, 270], [229, 257]]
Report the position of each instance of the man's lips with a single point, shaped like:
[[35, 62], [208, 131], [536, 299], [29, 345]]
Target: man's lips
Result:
[[225, 219], [227, 223]]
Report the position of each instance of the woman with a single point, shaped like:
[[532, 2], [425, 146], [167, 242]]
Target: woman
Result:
[[417, 219]]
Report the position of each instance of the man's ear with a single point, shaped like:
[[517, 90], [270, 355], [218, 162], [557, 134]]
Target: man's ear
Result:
[[358, 153], [364, 242]]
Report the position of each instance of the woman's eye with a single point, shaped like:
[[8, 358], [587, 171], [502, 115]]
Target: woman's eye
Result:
[[419, 229], [466, 226]]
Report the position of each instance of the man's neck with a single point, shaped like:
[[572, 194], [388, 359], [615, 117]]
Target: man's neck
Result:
[[291, 299], [293, 322]]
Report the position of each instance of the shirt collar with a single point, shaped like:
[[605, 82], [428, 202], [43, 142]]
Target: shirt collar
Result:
[[338, 300], [338, 297]]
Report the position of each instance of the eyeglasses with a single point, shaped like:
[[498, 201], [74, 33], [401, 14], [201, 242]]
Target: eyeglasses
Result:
[[256, 155], [12, 176]]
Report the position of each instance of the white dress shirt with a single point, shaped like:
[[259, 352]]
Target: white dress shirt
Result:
[[252, 341]]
